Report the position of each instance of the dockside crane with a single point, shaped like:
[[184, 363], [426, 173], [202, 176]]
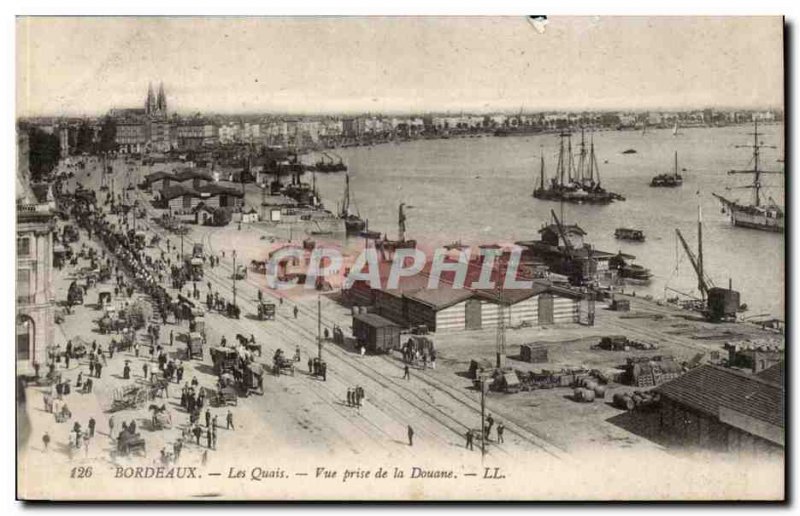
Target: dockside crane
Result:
[[576, 275], [721, 303]]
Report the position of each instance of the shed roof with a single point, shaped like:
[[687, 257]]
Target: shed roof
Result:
[[773, 374], [440, 298], [174, 191], [708, 388], [374, 320], [216, 189]]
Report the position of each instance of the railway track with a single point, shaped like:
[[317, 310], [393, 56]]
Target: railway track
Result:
[[294, 333]]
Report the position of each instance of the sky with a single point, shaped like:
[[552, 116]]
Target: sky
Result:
[[87, 65]]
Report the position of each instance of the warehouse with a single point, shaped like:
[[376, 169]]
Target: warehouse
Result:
[[724, 409], [446, 308], [540, 305], [179, 199]]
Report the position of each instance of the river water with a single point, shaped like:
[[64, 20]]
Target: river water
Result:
[[478, 190]]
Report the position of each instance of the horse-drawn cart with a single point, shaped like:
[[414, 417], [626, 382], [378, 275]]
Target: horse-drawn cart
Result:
[[266, 311], [130, 397], [249, 344], [282, 364], [128, 442], [194, 346]]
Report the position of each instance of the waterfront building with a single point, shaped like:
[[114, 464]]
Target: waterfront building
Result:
[[34, 297], [724, 409]]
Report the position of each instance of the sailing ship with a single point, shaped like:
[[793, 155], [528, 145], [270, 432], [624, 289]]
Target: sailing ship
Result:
[[668, 180], [353, 223], [758, 215], [388, 247], [576, 184]]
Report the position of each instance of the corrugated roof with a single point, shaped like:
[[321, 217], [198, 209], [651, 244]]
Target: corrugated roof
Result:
[[374, 320], [440, 298], [708, 387]]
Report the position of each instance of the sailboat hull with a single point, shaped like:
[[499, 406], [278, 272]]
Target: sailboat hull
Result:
[[758, 221]]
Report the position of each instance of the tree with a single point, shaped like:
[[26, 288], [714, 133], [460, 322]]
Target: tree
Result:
[[221, 217], [44, 153]]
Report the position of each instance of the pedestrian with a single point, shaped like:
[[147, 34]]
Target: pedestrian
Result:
[[349, 397], [406, 373], [136, 349], [214, 423], [196, 431], [111, 427], [144, 370], [295, 310], [179, 373], [214, 437], [208, 418], [310, 365], [500, 429], [433, 359], [171, 337], [208, 437], [126, 372], [410, 436], [98, 369], [490, 424], [469, 440], [229, 420], [79, 380], [66, 361], [205, 456], [92, 424], [323, 370], [46, 440]]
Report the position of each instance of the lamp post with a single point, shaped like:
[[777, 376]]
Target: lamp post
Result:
[[234, 277], [319, 327]]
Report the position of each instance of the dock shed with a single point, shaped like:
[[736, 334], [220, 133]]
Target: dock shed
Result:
[[376, 333], [724, 409]]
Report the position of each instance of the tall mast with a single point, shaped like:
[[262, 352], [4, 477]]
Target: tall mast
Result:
[[699, 238], [402, 224], [560, 166], [541, 170], [346, 201], [676, 164], [593, 157], [581, 158], [757, 173], [570, 161]]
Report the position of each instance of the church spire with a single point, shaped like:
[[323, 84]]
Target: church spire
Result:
[[150, 105], [161, 103]]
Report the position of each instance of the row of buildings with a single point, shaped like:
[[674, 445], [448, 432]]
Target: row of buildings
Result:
[[151, 128]]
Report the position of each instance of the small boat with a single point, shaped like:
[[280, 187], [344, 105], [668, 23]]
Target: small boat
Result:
[[353, 223], [626, 269], [668, 180], [629, 151], [636, 235]]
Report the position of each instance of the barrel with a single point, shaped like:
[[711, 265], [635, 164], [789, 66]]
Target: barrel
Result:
[[590, 384], [600, 391], [588, 395], [623, 401], [577, 394]]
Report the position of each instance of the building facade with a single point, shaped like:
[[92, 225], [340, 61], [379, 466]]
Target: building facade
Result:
[[34, 296]]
